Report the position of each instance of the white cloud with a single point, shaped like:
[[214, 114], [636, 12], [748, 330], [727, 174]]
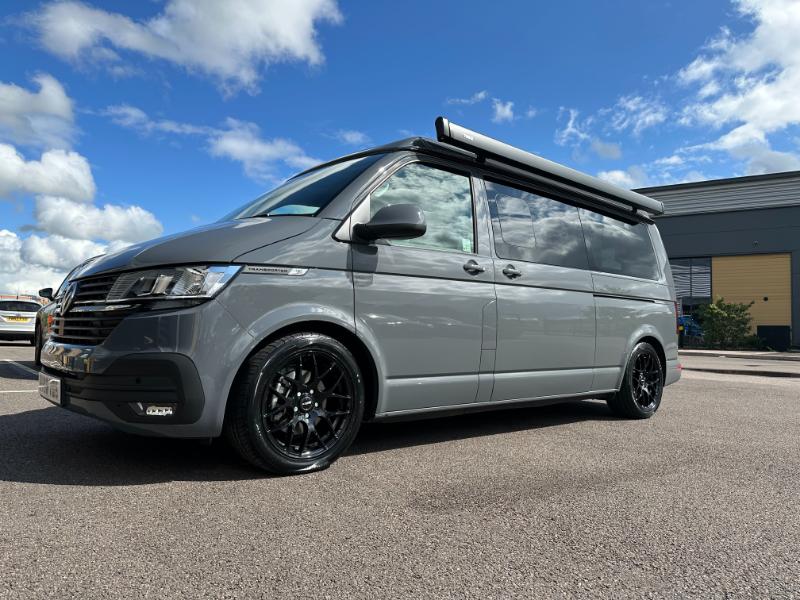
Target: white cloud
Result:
[[629, 178], [68, 224], [531, 112], [56, 172], [242, 142], [502, 112], [18, 277], [751, 83], [352, 137], [606, 149], [66, 218], [58, 252], [135, 118], [230, 41], [670, 161], [636, 113], [43, 118], [574, 131], [474, 99]]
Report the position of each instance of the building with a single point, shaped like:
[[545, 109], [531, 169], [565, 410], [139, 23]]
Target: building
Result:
[[739, 239]]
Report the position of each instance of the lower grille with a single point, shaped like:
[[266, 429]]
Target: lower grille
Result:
[[87, 328]]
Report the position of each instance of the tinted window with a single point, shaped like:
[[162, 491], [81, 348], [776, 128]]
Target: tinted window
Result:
[[535, 228], [616, 247], [446, 199], [306, 194], [19, 306]]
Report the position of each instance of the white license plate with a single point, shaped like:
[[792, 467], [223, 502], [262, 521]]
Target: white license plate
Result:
[[50, 388]]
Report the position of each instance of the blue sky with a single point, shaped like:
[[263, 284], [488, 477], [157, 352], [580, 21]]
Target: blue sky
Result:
[[171, 113]]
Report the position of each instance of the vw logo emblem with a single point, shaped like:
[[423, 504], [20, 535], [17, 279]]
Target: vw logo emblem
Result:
[[68, 298]]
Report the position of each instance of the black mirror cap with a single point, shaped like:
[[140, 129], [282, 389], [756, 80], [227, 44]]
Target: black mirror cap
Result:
[[46, 293], [396, 221]]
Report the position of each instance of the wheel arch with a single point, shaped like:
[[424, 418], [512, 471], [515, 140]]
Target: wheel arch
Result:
[[363, 355]]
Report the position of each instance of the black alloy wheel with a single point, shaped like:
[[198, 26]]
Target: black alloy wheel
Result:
[[646, 380], [297, 405], [642, 385], [307, 404]]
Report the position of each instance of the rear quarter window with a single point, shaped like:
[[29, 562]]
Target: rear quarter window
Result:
[[617, 247]]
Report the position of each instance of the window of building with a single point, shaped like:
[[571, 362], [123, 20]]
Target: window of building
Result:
[[619, 248], [444, 196], [692, 277], [535, 228]]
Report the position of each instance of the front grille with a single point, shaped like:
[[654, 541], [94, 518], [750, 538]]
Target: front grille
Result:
[[89, 320], [94, 290]]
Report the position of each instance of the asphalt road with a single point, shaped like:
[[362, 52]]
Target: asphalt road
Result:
[[701, 501]]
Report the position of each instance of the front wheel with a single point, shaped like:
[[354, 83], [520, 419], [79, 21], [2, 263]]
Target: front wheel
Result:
[[640, 394], [297, 406]]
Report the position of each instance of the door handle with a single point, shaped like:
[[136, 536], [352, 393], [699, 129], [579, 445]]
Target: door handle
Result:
[[473, 268], [512, 272]]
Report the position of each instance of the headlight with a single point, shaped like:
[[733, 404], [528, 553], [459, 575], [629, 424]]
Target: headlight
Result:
[[172, 283]]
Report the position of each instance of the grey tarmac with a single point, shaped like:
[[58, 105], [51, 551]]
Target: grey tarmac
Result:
[[703, 500]]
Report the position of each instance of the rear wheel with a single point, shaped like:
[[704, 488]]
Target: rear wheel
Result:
[[297, 406], [640, 394]]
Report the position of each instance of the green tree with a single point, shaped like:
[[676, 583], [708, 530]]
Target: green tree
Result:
[[726, 324]]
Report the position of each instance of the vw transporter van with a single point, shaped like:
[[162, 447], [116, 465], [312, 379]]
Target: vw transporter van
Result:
[[414, 279]]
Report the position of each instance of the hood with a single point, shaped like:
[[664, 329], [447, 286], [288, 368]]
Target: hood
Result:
[[215, 243]]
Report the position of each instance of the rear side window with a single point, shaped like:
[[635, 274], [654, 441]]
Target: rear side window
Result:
[[18, 306], [619, 248], [445, 198], [535, 228]]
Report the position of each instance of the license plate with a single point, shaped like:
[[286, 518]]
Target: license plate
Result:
[[50, 388], [18, 319]]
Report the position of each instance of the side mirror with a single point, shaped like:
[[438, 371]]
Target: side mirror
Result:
[[46, 293], [396, 221]]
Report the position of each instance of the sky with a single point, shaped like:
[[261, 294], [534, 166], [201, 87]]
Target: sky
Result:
[[123, 121]]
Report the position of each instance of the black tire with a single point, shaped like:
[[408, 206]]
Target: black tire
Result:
[[642, 386], [37, 346], [305, 384]]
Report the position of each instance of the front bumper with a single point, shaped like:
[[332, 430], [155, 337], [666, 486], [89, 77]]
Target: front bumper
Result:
[[182, 359]]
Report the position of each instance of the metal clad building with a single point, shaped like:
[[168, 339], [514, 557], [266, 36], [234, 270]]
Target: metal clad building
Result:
[[739, 239]]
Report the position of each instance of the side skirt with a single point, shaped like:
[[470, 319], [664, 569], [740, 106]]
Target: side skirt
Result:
[[447, 411]]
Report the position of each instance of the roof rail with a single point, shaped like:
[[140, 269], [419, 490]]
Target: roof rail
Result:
[[593, 191]]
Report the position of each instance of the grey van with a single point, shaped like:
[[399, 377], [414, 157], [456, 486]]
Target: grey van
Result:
[[414, 279]]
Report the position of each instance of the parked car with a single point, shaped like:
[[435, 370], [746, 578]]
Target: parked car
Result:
[[689, 327], [17, 318], [415, 279]]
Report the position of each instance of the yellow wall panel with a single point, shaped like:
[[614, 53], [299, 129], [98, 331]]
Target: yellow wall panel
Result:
[[752, 278]]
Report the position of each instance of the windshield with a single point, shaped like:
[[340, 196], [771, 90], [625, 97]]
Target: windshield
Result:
[[18, 306], [307, 194]]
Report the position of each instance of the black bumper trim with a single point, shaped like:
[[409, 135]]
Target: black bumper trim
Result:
[[159, 378]]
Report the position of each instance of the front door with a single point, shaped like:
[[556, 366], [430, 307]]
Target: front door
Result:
[[422, 301], [545, 305]]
